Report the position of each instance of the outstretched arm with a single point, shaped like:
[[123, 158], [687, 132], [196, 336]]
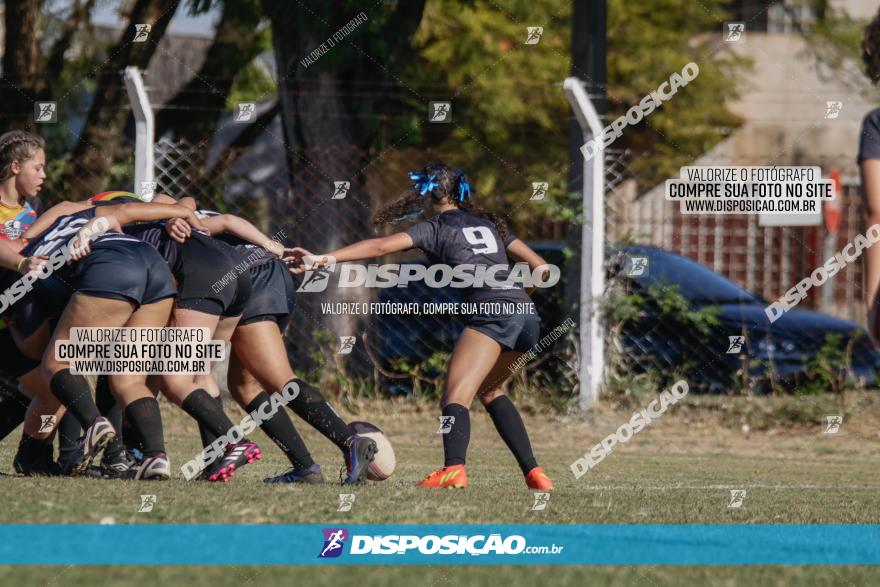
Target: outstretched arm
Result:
[[149, 212], [242, 229], [365, 249], [520, 251]]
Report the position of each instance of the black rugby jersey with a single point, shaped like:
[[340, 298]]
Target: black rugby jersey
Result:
[[245, 251], [153, 233], [65, 228], [456, 238]]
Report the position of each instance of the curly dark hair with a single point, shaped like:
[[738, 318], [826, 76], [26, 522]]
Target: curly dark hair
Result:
[[411, 204], [871, 49]]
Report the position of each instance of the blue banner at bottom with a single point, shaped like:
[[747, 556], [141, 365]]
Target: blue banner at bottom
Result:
[[479, 544]]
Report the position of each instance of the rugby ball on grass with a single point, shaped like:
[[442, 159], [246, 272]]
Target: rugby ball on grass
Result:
[[383, 465]]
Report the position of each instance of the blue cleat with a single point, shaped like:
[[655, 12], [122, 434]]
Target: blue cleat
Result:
[[359, 453], [312, 475]]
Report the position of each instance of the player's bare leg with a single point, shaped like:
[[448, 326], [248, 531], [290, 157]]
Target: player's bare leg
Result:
[[260, 348], [473, 360]]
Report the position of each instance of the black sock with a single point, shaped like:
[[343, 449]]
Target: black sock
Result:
[[144, 416], [13, 407], [32, 451], [73, 391], [510, 426], [311, 407], [204, 433], [131, 436], [282, 432], [112, 411], [200, 405], [69, 432], [455, 442]]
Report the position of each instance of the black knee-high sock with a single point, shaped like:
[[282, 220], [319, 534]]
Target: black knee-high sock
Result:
[[200, 405], [69, 432], [33, 451], [510, 426], [282, 432], [73, 391], [144, 416], [311, 406], [13, 406], [455, 442], [206, 435], [112, 411]]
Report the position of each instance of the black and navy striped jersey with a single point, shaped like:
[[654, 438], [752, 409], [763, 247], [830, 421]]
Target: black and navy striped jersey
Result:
[[63, 230]]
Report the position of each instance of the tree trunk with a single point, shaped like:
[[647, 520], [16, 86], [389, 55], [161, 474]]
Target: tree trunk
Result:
[[21, 83], [100, 141], [327, 139]]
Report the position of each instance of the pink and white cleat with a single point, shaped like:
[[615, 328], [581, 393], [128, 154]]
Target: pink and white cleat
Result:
[[237, 455]]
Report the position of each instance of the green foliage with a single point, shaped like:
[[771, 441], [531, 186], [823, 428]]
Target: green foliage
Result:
[[828, 370], [511, 118], [251, 84]]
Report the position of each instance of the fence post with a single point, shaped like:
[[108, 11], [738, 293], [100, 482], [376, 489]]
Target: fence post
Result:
[[592, 342], [144, 171]]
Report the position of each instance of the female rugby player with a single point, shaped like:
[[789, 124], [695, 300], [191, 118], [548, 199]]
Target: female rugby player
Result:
[[460, 234], [198, 265], [118, 281], [259, 364]]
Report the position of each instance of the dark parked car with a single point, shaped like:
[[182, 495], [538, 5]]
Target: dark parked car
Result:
[[656, 339], [787, 346]]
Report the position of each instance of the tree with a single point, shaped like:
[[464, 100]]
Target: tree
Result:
[[329, 118], [100, 138], [28, 75]]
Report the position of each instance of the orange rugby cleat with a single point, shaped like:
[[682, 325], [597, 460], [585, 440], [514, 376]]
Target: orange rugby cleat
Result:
[[454, 476], [536, 479]]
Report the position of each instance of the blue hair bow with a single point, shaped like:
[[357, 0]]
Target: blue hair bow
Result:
[[422, 183], [464, 188]]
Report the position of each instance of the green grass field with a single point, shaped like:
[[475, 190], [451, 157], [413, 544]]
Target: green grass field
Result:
[[679, 470]]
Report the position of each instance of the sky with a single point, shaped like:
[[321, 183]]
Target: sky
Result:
[[182, 23]]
